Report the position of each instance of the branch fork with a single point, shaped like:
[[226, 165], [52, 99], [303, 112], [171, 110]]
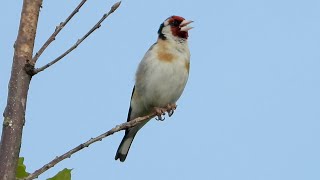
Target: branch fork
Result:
[[34, 71]]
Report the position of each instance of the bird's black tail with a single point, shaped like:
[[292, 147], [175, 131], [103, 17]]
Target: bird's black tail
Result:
[[125, 145]]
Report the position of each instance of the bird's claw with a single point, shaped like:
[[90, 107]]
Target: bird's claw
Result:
[[160, 112], [160, 118], [171, 108]]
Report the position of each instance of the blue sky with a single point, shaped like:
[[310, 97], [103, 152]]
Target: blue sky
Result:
[[250, 110]]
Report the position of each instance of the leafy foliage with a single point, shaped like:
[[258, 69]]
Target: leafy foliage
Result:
[[65, 174], [21, 169]]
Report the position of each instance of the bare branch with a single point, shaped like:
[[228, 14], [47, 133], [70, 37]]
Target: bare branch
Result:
[[68, 154], [56, 32], [96, 26]]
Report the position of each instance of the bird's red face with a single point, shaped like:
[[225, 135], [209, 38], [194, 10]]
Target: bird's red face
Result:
[[179, 26], [176, 26]]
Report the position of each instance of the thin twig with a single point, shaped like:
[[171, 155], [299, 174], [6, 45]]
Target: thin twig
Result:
[[96, 26], [56, 32], [68, 154]]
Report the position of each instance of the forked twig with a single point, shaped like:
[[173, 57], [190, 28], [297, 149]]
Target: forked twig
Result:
[[68, 154], [96, 26], [56, 32]]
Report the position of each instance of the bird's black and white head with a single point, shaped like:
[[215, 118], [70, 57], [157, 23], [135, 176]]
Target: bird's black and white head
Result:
[[175, 28]]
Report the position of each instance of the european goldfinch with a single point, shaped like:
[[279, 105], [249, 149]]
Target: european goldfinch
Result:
[[161, 77]]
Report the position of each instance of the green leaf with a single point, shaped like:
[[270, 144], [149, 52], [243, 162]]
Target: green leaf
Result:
[[21, 169], [65, 174]]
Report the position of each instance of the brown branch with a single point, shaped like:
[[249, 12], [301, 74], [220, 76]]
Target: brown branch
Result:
[[55, 33], [68, 154], [96, 26], [14, 115]]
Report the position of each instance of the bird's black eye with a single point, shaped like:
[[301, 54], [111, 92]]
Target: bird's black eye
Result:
[[175, 23]]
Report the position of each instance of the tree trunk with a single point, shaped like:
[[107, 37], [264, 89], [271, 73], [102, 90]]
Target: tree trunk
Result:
[[14, 114]]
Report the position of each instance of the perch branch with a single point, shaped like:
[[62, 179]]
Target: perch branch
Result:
[[96, 26], [56, 32], [68, 154]]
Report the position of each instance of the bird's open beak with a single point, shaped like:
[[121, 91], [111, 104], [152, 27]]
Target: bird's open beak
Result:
[[184, 25]]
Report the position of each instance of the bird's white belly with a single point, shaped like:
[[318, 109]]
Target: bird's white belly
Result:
[[165, 83]]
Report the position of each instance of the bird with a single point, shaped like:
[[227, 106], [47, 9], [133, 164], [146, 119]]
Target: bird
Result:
[[160, 78]]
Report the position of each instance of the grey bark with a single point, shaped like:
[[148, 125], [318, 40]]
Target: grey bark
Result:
[[14, 114]]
